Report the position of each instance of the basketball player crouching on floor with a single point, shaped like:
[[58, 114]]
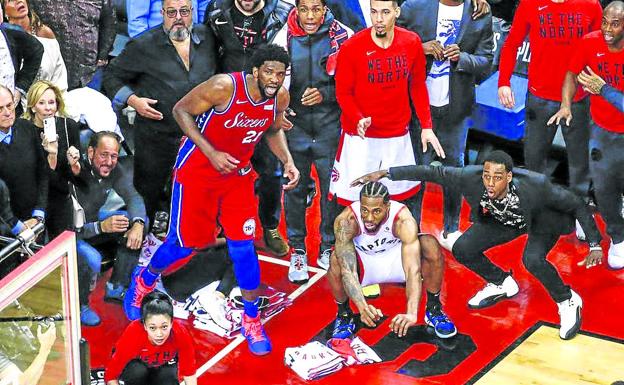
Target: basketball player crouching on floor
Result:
[[382, 235]]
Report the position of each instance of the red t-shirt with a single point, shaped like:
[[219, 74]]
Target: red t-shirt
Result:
[[377, 82], [134, 344], [236, 130], [594, 52], [554, 31]]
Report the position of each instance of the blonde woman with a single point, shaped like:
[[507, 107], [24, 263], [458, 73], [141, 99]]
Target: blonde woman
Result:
[[44, 100]]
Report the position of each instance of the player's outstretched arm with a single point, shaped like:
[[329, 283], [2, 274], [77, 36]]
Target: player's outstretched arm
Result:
[[345, 229], [216, 93], [276, 140], [407, 230]]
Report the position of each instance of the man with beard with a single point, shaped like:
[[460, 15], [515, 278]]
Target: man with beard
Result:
[[380, 77], [240, 27], [505, 204], [100, 172], [223, 119], [151, 74], [599, 60], [377, 241]]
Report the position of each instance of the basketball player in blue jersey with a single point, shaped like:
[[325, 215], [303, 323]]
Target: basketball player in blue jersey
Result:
[[377, 241]]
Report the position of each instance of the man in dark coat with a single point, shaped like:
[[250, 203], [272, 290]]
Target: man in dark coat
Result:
[[506, 204]]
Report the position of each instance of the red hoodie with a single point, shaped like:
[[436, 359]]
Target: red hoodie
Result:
[[593, 52], [554, 30], [377, 82]]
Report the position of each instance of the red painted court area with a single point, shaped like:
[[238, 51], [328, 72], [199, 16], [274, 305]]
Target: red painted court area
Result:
[[485, 336]]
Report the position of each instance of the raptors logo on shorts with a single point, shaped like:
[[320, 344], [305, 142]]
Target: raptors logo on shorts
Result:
[[335, 175]]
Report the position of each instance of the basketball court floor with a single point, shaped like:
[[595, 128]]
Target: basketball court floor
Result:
[[514, 342]]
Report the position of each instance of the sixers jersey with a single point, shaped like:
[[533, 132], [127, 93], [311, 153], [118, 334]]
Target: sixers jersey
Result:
[[235, 130], [373, 244]]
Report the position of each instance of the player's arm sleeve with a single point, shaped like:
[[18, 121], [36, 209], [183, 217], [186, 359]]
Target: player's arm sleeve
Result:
[[519, 30], [345, 85], [418, 87]]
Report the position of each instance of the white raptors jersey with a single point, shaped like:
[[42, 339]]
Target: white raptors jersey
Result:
[[383, 239]]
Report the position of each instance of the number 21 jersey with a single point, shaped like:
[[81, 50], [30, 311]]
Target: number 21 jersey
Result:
[[235, 130]]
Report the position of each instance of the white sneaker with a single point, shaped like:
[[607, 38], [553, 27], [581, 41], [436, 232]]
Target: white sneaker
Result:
[[580, 233], [298, 270], [216, 308], [570, 314], [493, 293], [323, 259], [616, 255], [450, 239]]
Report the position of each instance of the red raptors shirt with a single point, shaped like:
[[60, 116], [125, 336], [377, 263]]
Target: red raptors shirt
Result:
[[235, 130], [377, 82], [554, 31], [134, 344], [594, 52]]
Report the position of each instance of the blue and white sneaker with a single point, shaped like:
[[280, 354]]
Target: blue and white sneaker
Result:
[[257, 339], [441, 324], [344, 326]]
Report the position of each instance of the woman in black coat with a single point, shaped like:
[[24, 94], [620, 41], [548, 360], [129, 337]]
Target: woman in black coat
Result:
[[45, 100]]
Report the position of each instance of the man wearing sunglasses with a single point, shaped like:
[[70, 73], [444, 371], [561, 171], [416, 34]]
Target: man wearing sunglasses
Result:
[[151, 74]]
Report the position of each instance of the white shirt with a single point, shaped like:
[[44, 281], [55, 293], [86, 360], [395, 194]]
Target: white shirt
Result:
[[7, 70], [449, 20]]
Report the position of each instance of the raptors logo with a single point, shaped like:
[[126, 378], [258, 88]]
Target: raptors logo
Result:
[[335, 175], [249, 227]]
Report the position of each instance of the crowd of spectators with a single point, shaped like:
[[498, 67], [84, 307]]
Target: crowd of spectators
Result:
[[50, 48]]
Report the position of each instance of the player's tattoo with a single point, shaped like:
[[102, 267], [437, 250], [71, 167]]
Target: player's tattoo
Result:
[[345, 252]]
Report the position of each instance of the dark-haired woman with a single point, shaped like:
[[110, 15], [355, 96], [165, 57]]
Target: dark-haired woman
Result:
[[153, 350]]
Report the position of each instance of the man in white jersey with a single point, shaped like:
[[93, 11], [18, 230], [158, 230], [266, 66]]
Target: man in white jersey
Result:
[[377, 241]]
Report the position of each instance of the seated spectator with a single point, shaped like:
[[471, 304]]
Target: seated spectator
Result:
[[22, 163], [20, 63], [52, 67], [147, 14], [100, 172], [45, 100], [153, 350]]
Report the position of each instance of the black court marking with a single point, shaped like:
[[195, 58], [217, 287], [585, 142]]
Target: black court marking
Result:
[[523, 338]]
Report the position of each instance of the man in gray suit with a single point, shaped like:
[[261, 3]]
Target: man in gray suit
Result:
[[458, 49], [506, 204]]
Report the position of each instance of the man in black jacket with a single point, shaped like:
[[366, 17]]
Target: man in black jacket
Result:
[[312, 38], [100, 173], [19, 67], [241, 26], [504, 206], [152, 73]]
